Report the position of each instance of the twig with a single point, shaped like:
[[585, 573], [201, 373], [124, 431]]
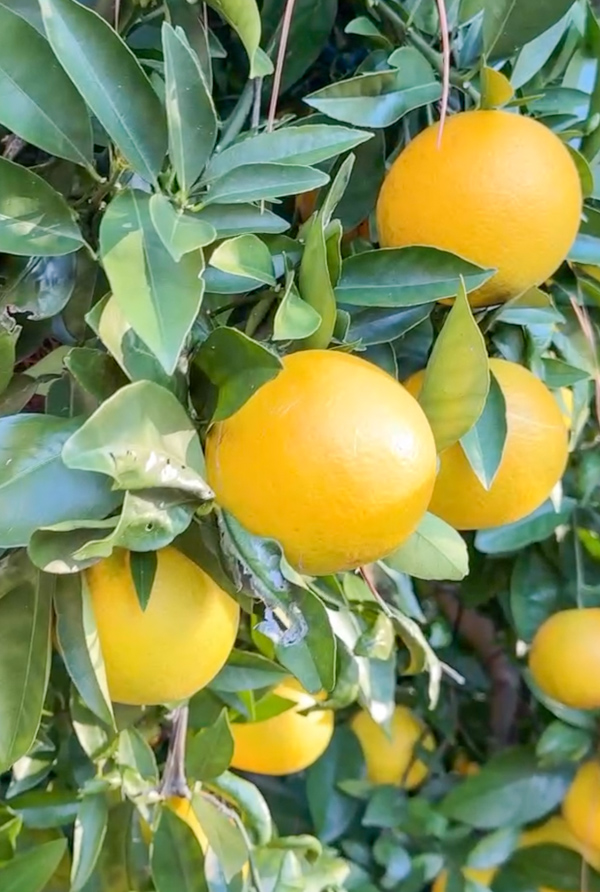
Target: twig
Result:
[[445, 67], [285, 33], [174, 782], [12, 146], [587, 328], [479, 631], [255, 118]]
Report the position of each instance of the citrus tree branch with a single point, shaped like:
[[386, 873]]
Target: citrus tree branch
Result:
[[174, 782]]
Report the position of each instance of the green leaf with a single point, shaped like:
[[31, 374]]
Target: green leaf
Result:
[[331, 811], [245, 255], [143, 439], [534, 55], [143, 572], [111, 81], [372, 326], [243, 16], [316, 282], [25, 615], [484, 443], [295, 319], [157, 296], [177, 861], [310, 31], [535, 590], [36, 487], [32, 870], [380, 98], [88, 838], [236, 219], [453, 402], [135, 752], [510, 789], [312, 659], [191, 115], [434, 551], [404, 277], [557, 373], [28, 10], [584, 170], [95, 371], [532, 866], [43, 809], [34, 219], [562, 743], [211, 750], [9, 334], [494, 849], [79, 644], [39, 102], [237, 366], [247, 671], [224, 837], [496, 89], [180, 233], [423, 657], [263, 182], [536, 527], [510, 24], [307, 144]]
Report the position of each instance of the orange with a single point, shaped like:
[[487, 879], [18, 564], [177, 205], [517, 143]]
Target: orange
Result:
[[173, 648], [464, 766], [333, 458], [534, 457], [581, 806], [388, 759], [565, 657], [502, 191], [286, 743], [482, 875]]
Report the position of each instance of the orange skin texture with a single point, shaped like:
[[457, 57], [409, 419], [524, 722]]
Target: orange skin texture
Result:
[[565, 657], [333, 458], [581, 806], [173, 648], [501, 191], [534, 458], [288, 742], [387, 759]]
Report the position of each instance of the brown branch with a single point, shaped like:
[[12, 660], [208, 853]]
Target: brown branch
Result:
[[480, 633], [283, 42], [12, 145], [174, 782]]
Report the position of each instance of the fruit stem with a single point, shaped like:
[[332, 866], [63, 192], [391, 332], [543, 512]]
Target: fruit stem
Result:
[[174, 782]]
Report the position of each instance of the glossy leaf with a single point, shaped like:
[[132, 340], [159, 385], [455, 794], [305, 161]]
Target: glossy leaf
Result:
[[180, 233], [237, 366], [484, 443], [143, 572], [224, 837], [88, 837], [34, 219], [404, 277], [111, 81], [95, 371], [245, 255], [434, 551], [246, 671], [263, 182], [295, 318], [535, 590], [36, 488], [312, 659], [236, 219], [536, 527], [25, 615], [191, 115], [159, 297], [39, 102], [373, 326], [31, 871], [143, 439], [243, 16], [209, 752], [496, 89], [316, 282], [177, 860], [509, 24], [453, 403], [307, 144], [378, 99]]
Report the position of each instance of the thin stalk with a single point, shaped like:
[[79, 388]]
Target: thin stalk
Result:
[[174, 782], [285, 34]]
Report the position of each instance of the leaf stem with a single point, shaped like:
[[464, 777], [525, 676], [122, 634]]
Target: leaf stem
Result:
[[174, 782], [235, 122]]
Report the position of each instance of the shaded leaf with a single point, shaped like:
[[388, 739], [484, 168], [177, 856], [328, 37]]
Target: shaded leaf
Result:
[[210, 751], [509, 24], [243, 16], [535, 590], [95, 371], [312, 659], [177, 860], [434, 551], [484, 443], [143, 572], [90, 831], [373, 326], [246, 671], [31, 871], [263, 182], [331, 811]]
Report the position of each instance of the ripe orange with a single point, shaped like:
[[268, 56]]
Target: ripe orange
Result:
[[333, 458], [174, 647], [565, 657], [534, 458], [388, 759], [502, 191], [286, 743], [464, 766], [581, 806]]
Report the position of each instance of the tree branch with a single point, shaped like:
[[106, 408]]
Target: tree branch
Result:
[[174, 782]]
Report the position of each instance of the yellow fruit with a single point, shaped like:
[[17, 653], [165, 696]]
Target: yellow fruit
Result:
[[333, 458], [483, 875], [388, 759], [173, 648], [564, 397], [534, 458], [565, 657], [502, 191], [183, 809], [463, 765], [556, 831], [581, 805], [286, 743]]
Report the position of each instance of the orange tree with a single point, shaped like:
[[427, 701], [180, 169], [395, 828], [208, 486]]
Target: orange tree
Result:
[[270, 620]]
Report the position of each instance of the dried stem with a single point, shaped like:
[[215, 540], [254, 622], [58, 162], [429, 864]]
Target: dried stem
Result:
[[174, 782], [445, 67], [283, 42], [12, 146], [587, 328]]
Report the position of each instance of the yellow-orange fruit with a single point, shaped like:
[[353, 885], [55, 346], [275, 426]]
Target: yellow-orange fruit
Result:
[[534, 457], [288, 742], [565, 657], [581, 806], [173, 648], [388, 759], [502, 191], [333, 458]]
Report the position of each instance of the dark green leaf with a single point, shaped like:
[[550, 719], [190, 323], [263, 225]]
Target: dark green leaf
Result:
[[143, 571], [36, 488], [484, 443], [309, 32], [534, 528], [34, 219], [30, 871], [374, 326], [210, 750], [89, 834], [177, 859], [510, 24], [191, 115], [111, 81], [316, 282], [536, 53], [159, 297], [243, 16], [313, 658], [263, 182], [245, 671], [535, 590], [532, 867], [434, 551], [562, 743], [95, 371], [25, 613], [39, 102], [237, 366], [53, 548], [236, 219], [331, 811], [180, 233], [379, 98], [404, 277], [43, 809]]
